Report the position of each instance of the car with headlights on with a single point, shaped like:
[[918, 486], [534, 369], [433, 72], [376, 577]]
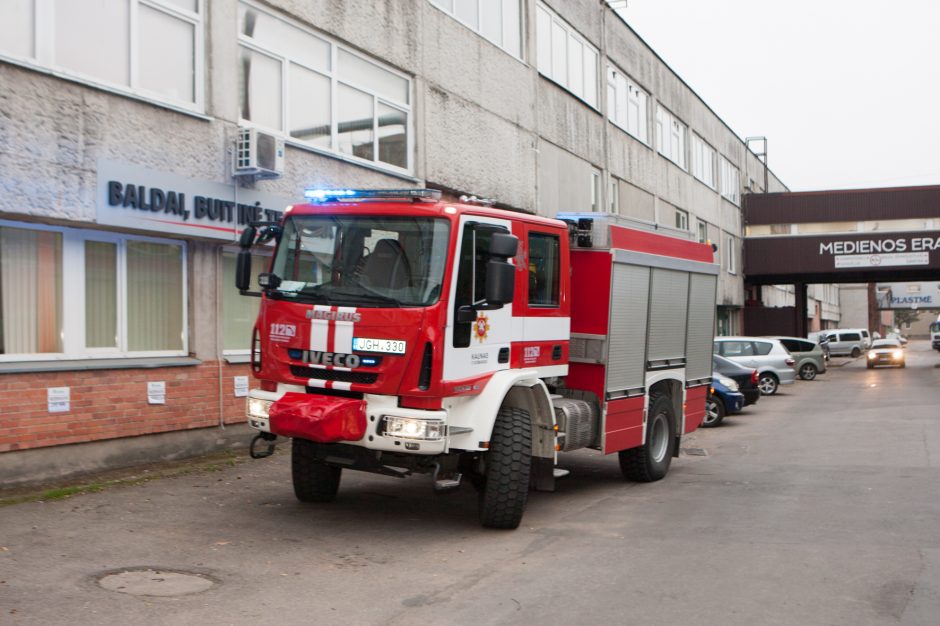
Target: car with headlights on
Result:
[[746, 377], [723, 399], [886, 352], [773, 363]]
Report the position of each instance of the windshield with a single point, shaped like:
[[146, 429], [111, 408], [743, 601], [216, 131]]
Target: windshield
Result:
[[935, 327], [363, 261]]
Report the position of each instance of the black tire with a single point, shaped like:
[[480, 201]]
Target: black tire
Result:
[[650, 462], [808, 371], [314, 481], [855, 352], [714, 411], [768, 384], [507, 465], [870, 365]]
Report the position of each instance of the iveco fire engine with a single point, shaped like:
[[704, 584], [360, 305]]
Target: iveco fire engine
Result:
[[402, 334]]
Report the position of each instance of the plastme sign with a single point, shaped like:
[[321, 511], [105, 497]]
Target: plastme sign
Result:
[[918, 295]]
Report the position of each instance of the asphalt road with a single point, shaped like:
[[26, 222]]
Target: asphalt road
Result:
[[818, 506]]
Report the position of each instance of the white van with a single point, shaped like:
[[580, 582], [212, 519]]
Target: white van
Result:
[[847, 341]]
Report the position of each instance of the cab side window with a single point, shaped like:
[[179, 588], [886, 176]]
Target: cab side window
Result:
[[471, 277], [544, 269]]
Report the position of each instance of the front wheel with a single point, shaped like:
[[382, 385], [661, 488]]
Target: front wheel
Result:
[[650, 462], [768, 383], [507, 465], [714, 412], [808, 371], [314, 480]]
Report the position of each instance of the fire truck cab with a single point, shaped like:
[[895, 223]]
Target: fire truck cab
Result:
[[400, 334]]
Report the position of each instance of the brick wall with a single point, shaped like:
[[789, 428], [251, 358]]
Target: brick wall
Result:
[[106, 404]]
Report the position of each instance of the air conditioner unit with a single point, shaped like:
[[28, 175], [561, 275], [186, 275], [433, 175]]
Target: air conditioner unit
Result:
[[258, 153]]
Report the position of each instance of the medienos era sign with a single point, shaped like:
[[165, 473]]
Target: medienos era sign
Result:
[[916, 295], [880, 251], [137, 197]]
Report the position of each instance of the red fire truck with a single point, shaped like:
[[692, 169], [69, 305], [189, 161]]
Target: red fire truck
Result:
[[400, 334]]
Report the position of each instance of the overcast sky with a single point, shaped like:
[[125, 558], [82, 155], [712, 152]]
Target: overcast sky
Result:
[[846, 91]]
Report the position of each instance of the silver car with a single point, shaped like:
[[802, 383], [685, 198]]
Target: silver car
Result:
[[809, 356], [773, 363]]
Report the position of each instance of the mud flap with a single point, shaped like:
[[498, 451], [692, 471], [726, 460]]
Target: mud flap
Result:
[[542, 474]]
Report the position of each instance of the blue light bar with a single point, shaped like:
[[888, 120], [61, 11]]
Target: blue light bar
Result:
[[327, 195]]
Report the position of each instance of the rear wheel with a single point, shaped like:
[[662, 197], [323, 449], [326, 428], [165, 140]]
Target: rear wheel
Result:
[[768, 384], [314, 481], [855, 352], [651, 461], [808, 371], [507, 465], [714, 411]]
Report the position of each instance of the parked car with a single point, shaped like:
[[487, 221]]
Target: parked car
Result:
[[773, 363], [809, 356], [723, 399], [886, 352], [746, 377], [846, 342]]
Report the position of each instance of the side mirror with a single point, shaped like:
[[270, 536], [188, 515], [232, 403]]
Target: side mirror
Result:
[[503, 245], [268, 233], [243, 269], [247, 238], [500, 282]]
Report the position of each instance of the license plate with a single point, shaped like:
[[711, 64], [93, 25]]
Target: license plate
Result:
[[388, 346]]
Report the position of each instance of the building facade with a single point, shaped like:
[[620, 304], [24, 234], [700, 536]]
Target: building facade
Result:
[[119, 209]]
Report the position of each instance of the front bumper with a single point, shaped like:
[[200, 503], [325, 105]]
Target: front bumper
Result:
[[365, 423]]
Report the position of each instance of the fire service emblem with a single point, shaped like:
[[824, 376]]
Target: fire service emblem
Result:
[[481, 328]]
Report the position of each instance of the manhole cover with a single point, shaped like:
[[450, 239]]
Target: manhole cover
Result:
[[695, 451], [147, 581]]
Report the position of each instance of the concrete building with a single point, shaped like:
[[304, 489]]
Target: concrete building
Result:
[[119, 208]]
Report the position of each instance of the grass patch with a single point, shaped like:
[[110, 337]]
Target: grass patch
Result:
[[123, 478]]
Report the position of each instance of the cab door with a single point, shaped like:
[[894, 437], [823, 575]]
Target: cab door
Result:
[[475, 349]]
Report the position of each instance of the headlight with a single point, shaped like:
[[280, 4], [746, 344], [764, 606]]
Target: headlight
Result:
[[872, 355], [258, 407], [412, 428], [897, 354], [729, 383]]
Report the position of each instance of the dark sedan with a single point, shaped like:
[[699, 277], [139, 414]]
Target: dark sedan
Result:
[[746, 377]]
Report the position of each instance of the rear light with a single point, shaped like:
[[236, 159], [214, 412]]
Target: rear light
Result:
[[755, 377], [790, 362], [268, 385]]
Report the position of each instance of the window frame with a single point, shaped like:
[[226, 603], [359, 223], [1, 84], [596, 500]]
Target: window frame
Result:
[[556, 288], [680, 156], [702, 167], [266, 252], [73, 292], [44, 46], [701, 231], [335, 81], [613, 72], [730, 190], [731, 256], [438, 4], [682, 220], [551, 74]]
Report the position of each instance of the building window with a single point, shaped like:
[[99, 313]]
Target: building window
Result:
[[627, 105], [124, 296], [239, 312], [544, 269], [150, 48], [321, 94], [670, 136], [566, 57], [595, 190], [730, 255], [702, 230], [703, 161], [730, 181], [614, 195], [497, 20], [682, 219]]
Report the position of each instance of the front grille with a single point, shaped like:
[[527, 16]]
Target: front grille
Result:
[[361, 378]]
